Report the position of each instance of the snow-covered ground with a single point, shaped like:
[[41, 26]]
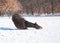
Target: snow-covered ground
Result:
[[49, 34]]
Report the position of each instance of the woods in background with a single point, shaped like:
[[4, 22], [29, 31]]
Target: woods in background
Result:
[[9, 7], [40, 6], [30, 6]]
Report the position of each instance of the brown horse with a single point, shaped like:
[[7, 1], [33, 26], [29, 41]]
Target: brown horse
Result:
[[21, 23]]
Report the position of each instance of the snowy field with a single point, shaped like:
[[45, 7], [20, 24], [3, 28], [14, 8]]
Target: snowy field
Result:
[[49, 34]]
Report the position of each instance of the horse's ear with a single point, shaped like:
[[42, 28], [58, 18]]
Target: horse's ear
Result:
[[37, 26]]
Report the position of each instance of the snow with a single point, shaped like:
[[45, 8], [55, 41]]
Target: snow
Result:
[[49, 34], [6, 22]]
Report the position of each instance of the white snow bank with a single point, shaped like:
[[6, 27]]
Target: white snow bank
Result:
[[49, 34]]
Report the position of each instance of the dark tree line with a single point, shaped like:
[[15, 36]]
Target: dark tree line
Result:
[[40, 6]]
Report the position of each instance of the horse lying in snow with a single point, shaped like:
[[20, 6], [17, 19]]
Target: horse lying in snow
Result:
[[21, 23]]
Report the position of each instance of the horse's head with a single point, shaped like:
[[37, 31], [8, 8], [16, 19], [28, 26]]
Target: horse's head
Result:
[[37, 26]]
